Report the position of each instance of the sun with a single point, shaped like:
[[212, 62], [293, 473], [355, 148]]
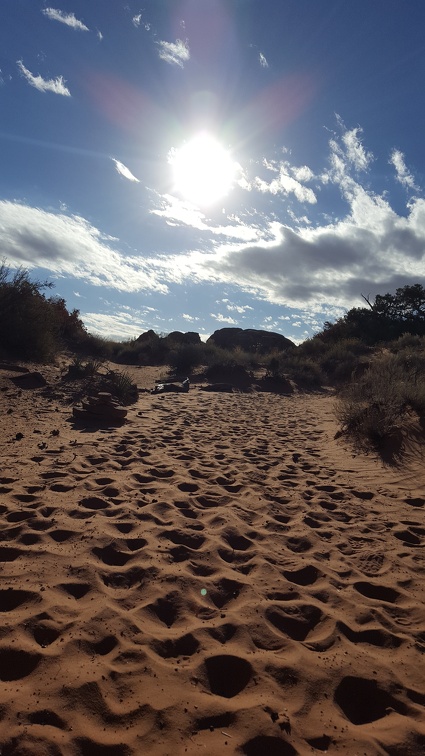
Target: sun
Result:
[[203, 170]]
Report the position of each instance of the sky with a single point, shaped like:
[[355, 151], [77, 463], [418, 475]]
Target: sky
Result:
[[198, 164]]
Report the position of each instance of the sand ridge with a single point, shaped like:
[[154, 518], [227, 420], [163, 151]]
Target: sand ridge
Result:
[[218, 574]]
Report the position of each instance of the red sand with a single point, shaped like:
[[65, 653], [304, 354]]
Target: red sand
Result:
[[219, 575]]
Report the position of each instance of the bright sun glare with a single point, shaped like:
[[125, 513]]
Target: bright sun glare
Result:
[[203, 170]]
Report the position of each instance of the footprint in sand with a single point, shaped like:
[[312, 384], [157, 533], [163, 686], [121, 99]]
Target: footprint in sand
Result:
[[415, 502], [295, 620], [185, 646], [227, 675], [377, 592], [76, 590], [307, 575], [371, 563], [15, 664], [11, 599], [363, 701]]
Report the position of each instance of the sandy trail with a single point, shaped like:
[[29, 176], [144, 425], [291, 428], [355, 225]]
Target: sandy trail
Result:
[[218, 575]]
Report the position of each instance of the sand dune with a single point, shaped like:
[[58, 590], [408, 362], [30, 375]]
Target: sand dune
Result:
[[217, 575]]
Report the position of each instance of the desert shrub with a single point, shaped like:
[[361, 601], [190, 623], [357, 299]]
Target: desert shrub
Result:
[[229, 372], [79, 368], [217, 356], [273, 367], [27, 328], [313, 348], [340, 360], [407, 341], [127, 352], [121, 386], [184, 358], [411, 361], [93, 346], [151, 350], [32, 326], [373, 407], [248, 360], [304, 371]]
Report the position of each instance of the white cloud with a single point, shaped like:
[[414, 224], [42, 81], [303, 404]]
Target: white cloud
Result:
[[44, 85], [348, 153], [124, 171], [372, 249], [177, 212], [68, 19], [356, 153], [286, 184], [223, 318], [137, 21], [176, 53], [238, 308], [288, 179], [263, 60], [403, 175], [271, 165], [189, 318], [119, 326], [69, 245], [302, 173]]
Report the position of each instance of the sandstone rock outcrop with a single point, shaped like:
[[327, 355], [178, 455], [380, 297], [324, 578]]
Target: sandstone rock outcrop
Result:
[[250, 339]]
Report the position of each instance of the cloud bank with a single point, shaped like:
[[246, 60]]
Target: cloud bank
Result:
[[69, 245]]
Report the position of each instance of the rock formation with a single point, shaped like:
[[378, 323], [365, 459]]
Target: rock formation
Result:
[[250, 340]]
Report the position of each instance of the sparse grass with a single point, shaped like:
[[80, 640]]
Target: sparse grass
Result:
[[80, 368]]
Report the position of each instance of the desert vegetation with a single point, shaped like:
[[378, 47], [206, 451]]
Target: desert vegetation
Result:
[[373, 357]]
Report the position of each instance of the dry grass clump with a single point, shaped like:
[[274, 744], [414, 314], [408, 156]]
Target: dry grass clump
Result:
[[374, 407], [89, 376]]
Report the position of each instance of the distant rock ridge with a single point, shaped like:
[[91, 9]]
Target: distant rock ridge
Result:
[[177, 337], [250, 339]]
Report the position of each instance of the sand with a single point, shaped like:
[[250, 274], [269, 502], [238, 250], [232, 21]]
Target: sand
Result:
[[219, 575]]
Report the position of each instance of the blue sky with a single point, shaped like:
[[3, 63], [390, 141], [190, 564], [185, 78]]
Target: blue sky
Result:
[[196, 164]]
